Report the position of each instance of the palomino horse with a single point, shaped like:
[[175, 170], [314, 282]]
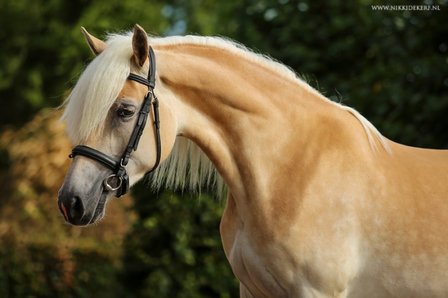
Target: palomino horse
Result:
[[319, 203]]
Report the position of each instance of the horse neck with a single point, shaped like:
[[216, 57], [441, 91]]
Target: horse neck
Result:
[[247, 118]]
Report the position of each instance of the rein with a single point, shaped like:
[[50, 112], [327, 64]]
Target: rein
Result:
[[119, 180]]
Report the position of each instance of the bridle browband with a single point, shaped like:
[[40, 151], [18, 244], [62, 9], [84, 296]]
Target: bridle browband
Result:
[[119, 180]]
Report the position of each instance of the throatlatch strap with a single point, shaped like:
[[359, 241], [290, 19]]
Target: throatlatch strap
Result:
[[155, 106]]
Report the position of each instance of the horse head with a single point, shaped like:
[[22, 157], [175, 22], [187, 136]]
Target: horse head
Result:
[[106, 115]]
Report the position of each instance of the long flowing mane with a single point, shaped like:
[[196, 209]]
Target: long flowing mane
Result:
[[187, 167]]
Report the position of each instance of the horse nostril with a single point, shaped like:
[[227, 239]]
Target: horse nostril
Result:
[[76, 208]]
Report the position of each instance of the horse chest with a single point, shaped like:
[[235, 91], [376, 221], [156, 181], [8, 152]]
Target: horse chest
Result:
[[294, 267]]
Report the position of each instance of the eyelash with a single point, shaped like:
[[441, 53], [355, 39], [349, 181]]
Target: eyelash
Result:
[[125, 112]]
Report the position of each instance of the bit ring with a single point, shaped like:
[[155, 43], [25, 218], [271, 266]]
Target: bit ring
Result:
[[110, 181]]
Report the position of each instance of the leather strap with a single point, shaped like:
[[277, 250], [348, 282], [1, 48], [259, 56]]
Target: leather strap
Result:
[[151, 80], [96, 155], [139, 79]]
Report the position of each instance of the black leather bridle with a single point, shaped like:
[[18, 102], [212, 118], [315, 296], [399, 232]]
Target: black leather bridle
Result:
[[119, 180]]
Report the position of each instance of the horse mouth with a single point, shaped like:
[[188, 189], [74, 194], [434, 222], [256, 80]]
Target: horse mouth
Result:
[[100, 209]]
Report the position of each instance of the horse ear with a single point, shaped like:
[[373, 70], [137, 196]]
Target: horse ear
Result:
[[95, 44], [140, 45]]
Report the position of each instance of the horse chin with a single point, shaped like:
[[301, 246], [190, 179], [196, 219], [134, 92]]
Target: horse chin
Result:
[[97, 214], [100, 209]]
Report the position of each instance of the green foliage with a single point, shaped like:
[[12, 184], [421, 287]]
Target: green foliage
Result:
[[175, 249], [45, 270], [43, 50]]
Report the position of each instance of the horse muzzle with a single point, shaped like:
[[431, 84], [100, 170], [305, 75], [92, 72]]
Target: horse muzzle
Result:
[[81, 206]]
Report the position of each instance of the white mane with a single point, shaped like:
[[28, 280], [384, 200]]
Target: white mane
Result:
[[187, 167], [97, 89]]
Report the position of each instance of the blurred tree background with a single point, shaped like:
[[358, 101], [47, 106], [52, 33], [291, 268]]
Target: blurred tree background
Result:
[[392, 66]]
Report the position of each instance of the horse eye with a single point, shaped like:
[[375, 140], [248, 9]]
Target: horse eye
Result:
[[125, 112]]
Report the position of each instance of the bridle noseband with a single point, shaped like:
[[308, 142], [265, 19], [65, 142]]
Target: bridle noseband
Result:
[[119, 180]]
